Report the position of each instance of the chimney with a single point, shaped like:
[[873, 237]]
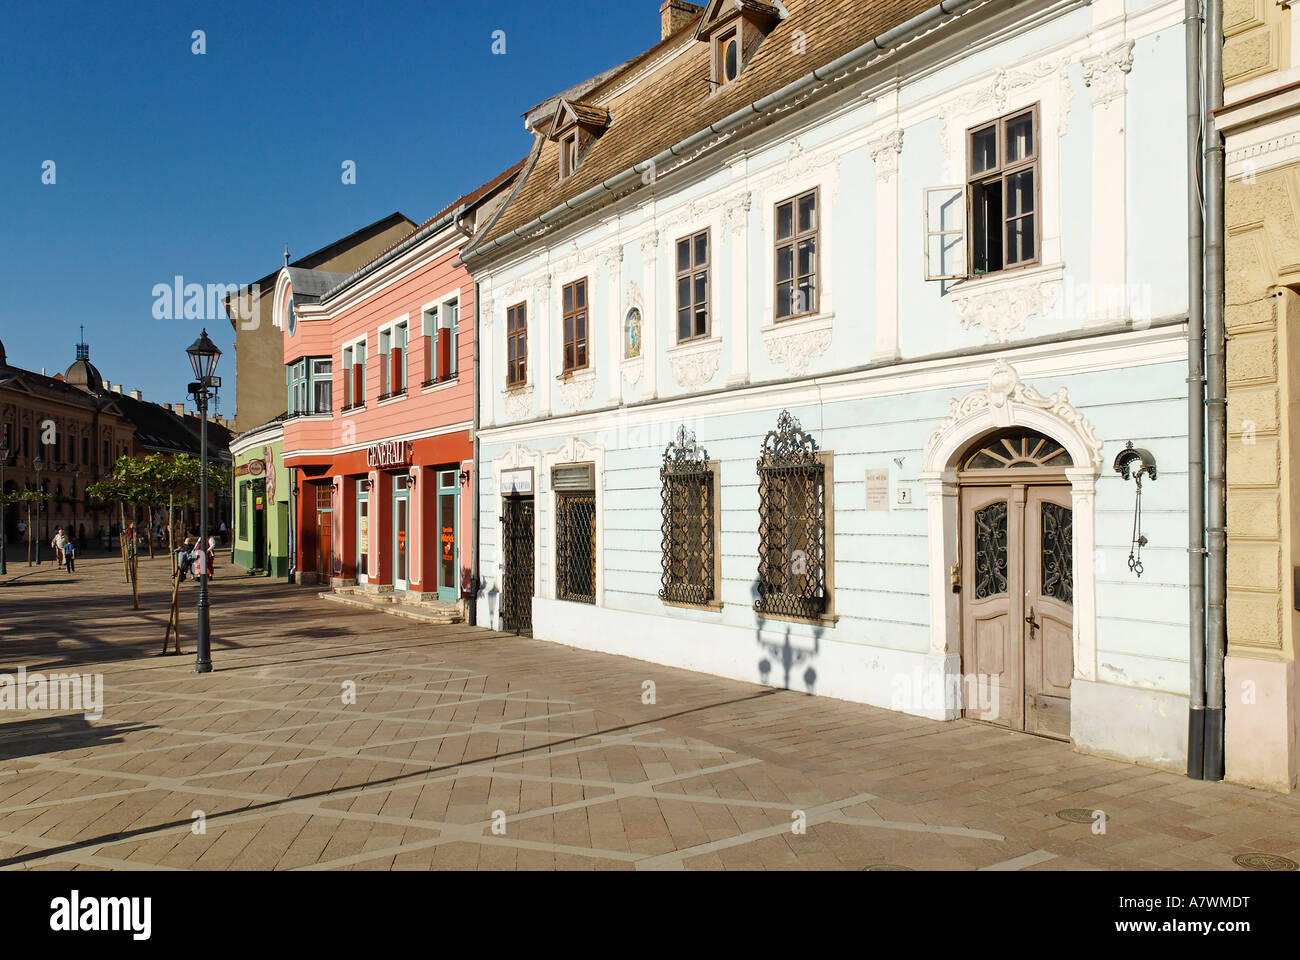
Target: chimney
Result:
[[135, 395], [117, 388], [108, 384], [178, 409], [675, 14]]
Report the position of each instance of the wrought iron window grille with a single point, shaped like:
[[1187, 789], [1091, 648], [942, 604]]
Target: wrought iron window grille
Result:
[[576, 546], [688, 547], [792, 509]]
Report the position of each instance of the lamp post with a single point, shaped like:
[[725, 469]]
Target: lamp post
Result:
[[203, 355], [38, 465], [4, 508]]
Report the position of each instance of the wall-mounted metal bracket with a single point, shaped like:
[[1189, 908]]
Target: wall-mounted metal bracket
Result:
[[1135, 463]]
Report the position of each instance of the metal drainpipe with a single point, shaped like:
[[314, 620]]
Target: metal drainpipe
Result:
[[1195, 397], [1216, 400], [473, 484]]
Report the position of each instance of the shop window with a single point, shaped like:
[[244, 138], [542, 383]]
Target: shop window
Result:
[[517, 345], [689, 489], [575, 524], [793, 507]]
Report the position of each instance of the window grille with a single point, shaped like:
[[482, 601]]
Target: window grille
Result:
[[576, 546], [688, 518], [792, 508]]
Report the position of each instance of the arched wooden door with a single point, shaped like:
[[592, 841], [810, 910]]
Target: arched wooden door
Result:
[[1017, 582]]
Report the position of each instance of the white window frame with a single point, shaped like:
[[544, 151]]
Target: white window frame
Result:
[[346, 367], [388, 330], [440, 304]]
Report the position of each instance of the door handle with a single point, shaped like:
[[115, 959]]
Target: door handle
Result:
[[1033, 623]]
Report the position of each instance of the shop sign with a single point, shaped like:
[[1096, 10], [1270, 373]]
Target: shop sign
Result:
[[253, 468], [517, 481], [390, 453]]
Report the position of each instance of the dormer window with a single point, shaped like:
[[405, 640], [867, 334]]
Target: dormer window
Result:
[[734, 29], [569, 156], [576, 127], [729, 51]]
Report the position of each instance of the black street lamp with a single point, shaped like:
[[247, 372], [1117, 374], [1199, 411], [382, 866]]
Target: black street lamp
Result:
[[4, 508], [38, 465], [203, 358]]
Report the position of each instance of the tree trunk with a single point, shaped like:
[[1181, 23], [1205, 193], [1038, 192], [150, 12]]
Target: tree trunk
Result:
[[29, 533], [121, 540]]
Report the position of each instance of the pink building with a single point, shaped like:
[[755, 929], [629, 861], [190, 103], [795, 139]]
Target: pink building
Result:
[[378, 440]]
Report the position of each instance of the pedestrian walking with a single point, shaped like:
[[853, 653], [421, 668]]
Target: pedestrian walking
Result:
[[57, 543], [224, 533], [70, 556]]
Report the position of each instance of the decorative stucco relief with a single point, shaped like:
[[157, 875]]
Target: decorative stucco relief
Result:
[[884, 153], [578, 388], [795, 343], [519, 402], [1105, 72], [1005, 389], [694, 364], [1003, 309]]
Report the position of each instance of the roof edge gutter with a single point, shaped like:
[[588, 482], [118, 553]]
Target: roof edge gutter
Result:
[[449, 219], [884, 43]]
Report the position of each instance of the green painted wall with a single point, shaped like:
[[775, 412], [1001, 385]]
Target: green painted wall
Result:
[[274, 513]]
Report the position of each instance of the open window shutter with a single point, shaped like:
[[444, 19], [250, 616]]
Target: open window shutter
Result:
[[358, 382], [945, 233]]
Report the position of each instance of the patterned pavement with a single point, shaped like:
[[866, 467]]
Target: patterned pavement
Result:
[[333, 737]]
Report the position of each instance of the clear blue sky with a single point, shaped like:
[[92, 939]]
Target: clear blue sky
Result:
[[169, 163]]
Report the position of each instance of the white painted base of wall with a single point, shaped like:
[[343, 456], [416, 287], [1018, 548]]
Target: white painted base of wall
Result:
[[1126, 723], [1262, 723], [916, 683]]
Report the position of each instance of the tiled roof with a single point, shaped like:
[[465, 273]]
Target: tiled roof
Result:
[[674, 100]]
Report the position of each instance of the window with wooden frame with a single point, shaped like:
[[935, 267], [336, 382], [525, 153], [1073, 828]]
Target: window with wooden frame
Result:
[[569, 158], [990, 223], [575, 325], [726, 51], [733, 32], [517, 345], [797, 221], [689, 488], [693, 287], [794, 507]]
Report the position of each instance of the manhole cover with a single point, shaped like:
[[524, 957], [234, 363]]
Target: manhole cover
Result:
[[887, 866], [388, 677], [1077, 815], [1263, 861]]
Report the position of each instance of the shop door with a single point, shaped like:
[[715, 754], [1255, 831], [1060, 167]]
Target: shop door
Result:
[[258, 493], [448, 542], [324, 531], [517, 582], [401, 532], [1018, 604], [363, 531]]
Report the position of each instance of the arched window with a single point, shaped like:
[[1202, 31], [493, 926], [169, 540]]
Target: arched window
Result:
[[1016, 450]]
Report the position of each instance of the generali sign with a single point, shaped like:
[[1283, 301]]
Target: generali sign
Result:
[[390, 453]]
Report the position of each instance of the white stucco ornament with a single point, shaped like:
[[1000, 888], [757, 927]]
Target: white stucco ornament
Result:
[[695, 363], [998, 403], [1003, 310], [1105, 72], [519, 402]]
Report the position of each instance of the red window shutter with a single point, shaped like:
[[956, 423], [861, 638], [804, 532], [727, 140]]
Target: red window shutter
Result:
[[358, 383], [395, 370], [444, 355]]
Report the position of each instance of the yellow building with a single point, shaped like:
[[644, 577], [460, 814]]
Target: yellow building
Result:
[[1260, 122]]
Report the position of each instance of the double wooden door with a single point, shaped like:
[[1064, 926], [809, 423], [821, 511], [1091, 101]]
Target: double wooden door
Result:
[[1018, 605]]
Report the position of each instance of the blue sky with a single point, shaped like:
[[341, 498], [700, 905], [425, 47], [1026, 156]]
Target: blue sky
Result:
[[170, 163]]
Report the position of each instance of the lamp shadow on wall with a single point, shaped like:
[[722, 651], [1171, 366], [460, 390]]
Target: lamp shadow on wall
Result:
[[785, 654]]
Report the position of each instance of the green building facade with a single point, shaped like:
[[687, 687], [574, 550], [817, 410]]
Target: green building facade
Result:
[[261, 501]]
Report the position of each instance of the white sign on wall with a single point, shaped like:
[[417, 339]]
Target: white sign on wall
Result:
[[517, 481], [878, 489]]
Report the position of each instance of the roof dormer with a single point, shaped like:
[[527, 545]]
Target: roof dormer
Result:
[[576, 126], [734, 29]]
